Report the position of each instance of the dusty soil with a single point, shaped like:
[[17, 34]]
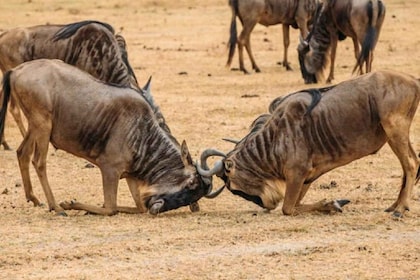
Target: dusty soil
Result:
[[182, 44]]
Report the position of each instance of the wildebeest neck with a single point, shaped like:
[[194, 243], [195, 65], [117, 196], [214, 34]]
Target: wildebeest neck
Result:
[[156, 157]]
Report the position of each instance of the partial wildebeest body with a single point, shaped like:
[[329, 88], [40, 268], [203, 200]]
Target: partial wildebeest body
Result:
[[308, 133], [361, 20], [267, 12], [113, 127], [89, 45]]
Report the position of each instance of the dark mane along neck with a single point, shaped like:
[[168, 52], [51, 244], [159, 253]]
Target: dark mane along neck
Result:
[[155, 154], [253, 155]]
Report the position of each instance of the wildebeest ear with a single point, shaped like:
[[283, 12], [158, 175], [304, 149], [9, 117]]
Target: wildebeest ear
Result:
[[185, 154], [228, 165]]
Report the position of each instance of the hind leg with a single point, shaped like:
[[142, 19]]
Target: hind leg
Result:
[[24, 154], [15, 111], [245, 40], [40, 164], [4, 144], [400, 145]]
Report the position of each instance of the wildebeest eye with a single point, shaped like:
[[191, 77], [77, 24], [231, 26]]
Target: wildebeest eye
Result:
[[228, 165]]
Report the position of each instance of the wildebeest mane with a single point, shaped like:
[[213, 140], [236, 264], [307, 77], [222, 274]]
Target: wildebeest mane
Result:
[[259, 122], [314, 92], [69, 29]]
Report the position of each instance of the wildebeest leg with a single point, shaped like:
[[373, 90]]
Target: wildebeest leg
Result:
[[369, 62], [286, 43], [245, 40], [357, 53], [294, 187], [110, 180], [334, 40], [24, 153], [4, 144], [295, 194], [135, 193], [42, 137], [15, 111], [400, 145]]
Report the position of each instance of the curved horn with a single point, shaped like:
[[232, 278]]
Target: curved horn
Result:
[[208, 153], [217, 169], [214, 194]]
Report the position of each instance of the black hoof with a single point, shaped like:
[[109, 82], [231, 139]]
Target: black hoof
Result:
[[343, 202], [397, 215]]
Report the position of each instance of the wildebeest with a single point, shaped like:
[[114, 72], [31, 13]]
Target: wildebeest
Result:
[[111, 126], [310, 132], [89, 45], [298, 14], [361, 20]]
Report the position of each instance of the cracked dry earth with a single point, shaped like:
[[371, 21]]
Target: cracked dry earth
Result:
[[182, 44]]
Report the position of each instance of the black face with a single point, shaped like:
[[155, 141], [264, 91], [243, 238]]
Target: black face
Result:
[[186, 196], [256, 199], [309, 78]]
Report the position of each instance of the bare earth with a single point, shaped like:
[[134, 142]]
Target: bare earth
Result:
[[182, 44]]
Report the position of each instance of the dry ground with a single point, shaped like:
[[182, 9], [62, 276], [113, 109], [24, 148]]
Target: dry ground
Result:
[[229, 238]]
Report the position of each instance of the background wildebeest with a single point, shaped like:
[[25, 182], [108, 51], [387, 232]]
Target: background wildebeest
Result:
[[361, 20], [267, 12], [310, 132], [111, 126], [89, 45]]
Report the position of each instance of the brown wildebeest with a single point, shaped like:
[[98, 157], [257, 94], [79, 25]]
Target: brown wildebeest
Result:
[[311, 132], [361, 20], [113, 127], [297, 13], [89, 45]]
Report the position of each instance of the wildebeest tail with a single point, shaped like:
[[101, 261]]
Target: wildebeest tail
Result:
[[233, 31], [6, 97], [70, 29], [370, 37]]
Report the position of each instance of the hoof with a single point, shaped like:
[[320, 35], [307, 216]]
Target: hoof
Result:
[[61, 213], [156, 207], [343, 202], [338, 204], [397, 215], [194, 207]]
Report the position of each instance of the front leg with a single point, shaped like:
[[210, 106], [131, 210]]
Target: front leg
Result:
[[322, 206], [110, 178], [74, 205]]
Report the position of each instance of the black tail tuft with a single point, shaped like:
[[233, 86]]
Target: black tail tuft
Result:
[[6, 97], [233, 31]]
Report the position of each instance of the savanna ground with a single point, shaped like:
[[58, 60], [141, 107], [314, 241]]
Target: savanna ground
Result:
[[182, 44]]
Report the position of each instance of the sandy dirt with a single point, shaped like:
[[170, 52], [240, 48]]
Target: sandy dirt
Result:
[[182, 44]]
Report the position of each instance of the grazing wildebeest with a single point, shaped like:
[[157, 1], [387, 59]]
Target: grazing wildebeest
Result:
[[310, 132], [297, 13], [89, 45], [111, 126], [361, 20]]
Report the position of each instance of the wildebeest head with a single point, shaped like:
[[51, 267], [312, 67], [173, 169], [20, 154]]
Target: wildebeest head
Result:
[[244, 182], [239, 178], [305, 67], [187, 187]]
